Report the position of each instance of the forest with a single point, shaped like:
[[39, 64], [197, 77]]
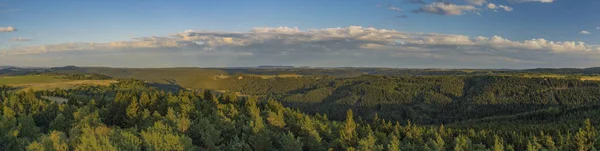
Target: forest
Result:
[[309, 112]]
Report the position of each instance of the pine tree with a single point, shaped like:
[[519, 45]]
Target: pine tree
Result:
[[462, 143], [162, 137], [256, 122], [276, 119], [60, 123], [145, 100], [367, 143], [549, 142], [289, 142], [95, 139], [348, 132], [55, 141], [584, 138], [438, 144], [394, 143], [498, 143], [133, 109], [205, 134]]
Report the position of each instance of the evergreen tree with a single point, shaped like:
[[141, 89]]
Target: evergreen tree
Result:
[[162, 137], [133, 109], [462, 143], [498, 143], [205, 135], [394, 143], [348, 132], [289, 142]]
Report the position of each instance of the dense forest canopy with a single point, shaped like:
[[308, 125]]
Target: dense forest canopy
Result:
[[130, 115], [241, 111]]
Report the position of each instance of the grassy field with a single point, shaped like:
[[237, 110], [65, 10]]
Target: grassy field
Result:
[[46, 82], [545, 76], [593, 78], [16, 80]]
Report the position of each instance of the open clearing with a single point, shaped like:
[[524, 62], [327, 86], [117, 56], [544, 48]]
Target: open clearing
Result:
[[63, 85], [593, 78], [56, 99], [559, 76], [47, 82], [13, 80]]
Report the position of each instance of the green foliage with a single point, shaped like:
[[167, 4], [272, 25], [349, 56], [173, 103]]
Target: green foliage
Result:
[[348, 132], [163, 137], [55, 141], [205, 134], [289, 142], [113, 118]]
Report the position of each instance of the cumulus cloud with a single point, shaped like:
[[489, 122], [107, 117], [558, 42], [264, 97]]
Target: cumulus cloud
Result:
[[343, 45], [524, 1], [20, 39], [491, 6], [494, 7], [7, 29], [441, 8], [506, 8], [585, 32]]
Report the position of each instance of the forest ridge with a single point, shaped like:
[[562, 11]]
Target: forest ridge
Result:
[[457, 110]]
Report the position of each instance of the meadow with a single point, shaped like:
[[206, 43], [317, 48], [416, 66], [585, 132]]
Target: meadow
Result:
[[48, 82]]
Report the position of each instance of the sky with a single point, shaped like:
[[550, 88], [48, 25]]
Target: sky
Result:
[[319, 33]]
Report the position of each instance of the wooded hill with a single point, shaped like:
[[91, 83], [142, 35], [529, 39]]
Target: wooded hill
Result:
[[479, 110], [130, 115]]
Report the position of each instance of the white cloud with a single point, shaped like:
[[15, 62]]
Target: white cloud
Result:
[[491, 6], [476, 2], [524, 1], [494, 7], [287, 44], [7, 29], [585, 32], [597, 28], [446, 8], [506, 8]]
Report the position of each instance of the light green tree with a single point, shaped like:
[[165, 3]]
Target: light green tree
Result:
[[162, 137]]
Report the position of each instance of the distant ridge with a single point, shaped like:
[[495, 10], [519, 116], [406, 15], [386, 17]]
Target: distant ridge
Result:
[[65, 68], [592, 70], [269, 66], [6, 67]]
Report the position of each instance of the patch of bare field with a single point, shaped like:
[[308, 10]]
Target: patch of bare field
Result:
[[56, 99]]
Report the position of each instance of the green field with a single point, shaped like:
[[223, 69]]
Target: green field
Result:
[[28, 79], [47, 82]]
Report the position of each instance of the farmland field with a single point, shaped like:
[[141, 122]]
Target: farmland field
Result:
[[16, 80], [47, 82]]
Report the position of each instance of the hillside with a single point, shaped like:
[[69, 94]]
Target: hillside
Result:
[[500, 103], [421, 98], [131, 115]]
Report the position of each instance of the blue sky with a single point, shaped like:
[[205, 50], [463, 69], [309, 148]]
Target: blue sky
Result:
[[58, 22]]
